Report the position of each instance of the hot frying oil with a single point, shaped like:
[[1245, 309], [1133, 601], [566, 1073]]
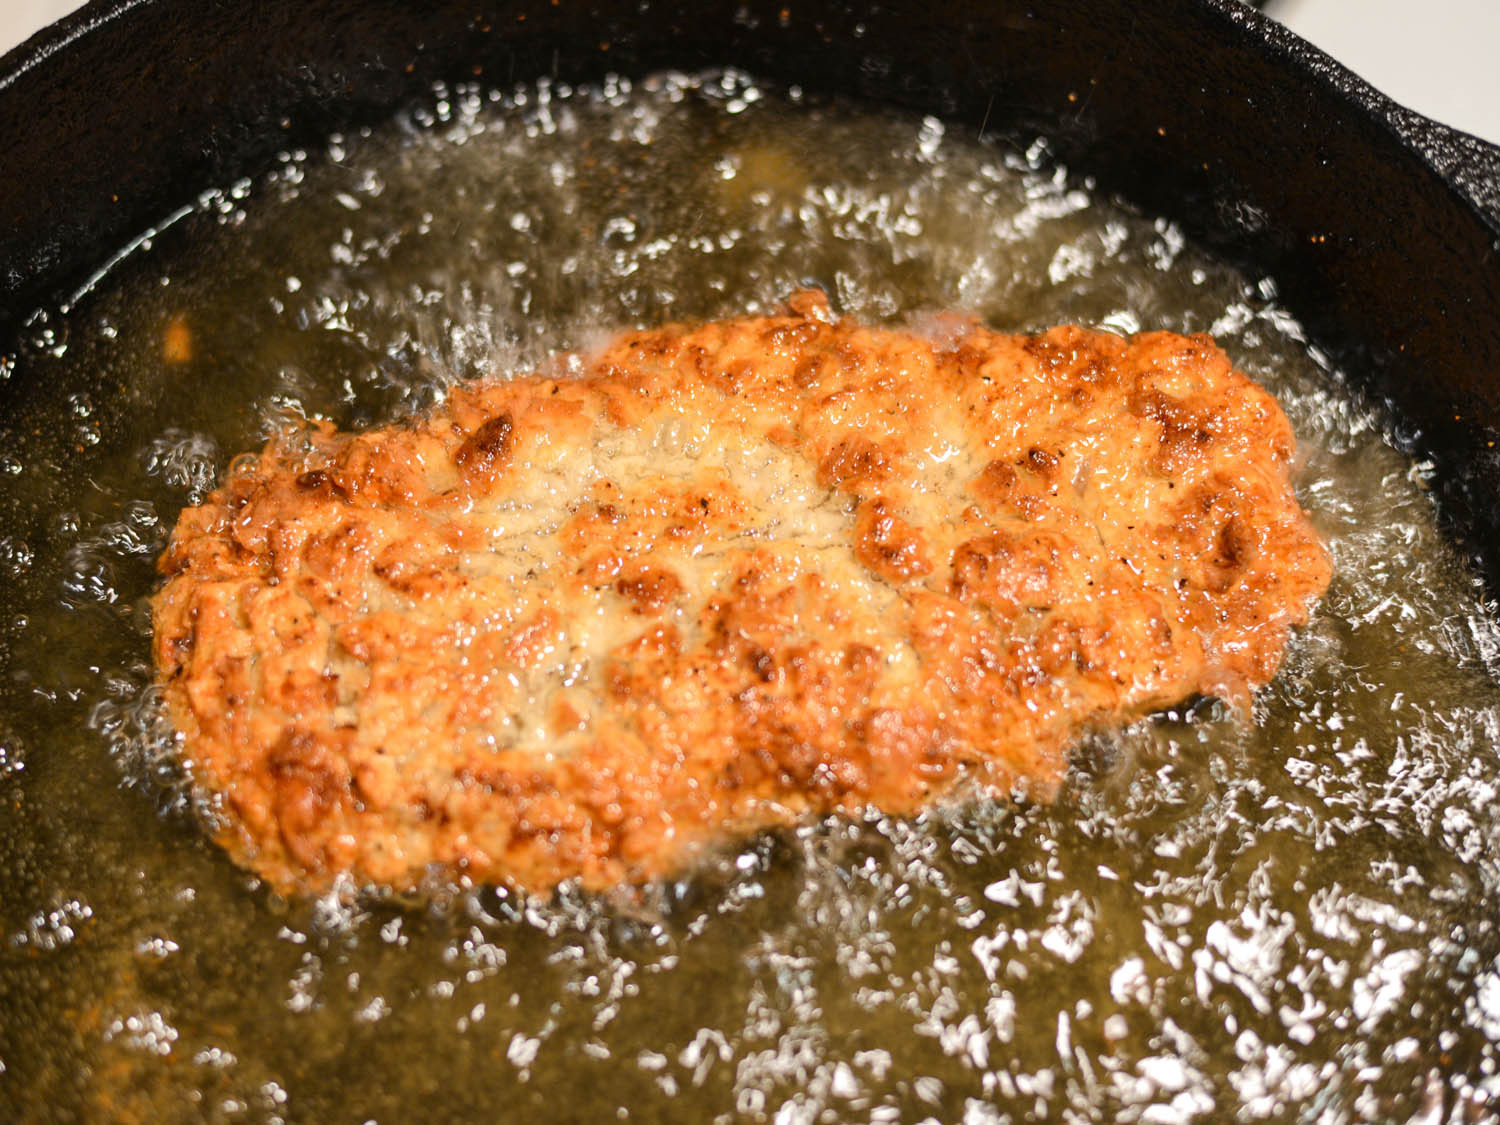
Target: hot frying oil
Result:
[[1285, 914]]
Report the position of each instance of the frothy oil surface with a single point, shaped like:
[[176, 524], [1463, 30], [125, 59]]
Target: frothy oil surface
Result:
[[1280, 915]]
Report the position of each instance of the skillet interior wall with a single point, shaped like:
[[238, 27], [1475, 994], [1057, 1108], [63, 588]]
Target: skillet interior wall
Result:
[[1197, 109]]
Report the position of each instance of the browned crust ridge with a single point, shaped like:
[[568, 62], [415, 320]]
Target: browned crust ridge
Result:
[[582, 626]]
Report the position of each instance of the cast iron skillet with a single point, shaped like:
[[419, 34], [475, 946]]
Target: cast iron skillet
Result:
[[1381, 228]]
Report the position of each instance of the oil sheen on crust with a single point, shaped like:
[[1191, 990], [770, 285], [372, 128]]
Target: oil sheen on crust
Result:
[[582, 625]]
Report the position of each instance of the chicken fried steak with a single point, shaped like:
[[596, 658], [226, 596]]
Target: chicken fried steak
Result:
[[580, 627]]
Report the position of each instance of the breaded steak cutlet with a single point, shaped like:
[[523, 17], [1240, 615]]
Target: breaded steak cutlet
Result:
[[729, 576]]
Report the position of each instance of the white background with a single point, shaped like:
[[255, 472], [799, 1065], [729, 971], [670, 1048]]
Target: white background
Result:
[[1435, 56]]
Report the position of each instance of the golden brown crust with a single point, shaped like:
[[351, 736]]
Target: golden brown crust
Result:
[[731, 575]]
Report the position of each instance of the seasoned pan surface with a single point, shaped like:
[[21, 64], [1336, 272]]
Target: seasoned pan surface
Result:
[[1226, 913]]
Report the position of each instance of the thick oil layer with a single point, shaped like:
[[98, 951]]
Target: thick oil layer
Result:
[[1277, 916]]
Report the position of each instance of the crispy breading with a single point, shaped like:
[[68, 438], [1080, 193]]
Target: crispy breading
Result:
[[581, 627]]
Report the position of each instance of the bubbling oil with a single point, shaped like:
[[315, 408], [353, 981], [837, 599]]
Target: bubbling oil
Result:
[[1286, 914]]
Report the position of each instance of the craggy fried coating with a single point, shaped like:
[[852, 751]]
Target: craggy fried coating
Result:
[[730, 575]]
